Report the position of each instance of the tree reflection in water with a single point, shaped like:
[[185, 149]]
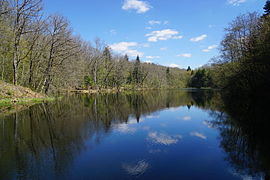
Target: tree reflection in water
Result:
[[42, 141], [244, 132]]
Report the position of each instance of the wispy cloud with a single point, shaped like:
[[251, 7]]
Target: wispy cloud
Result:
[[152, 116], [163, 35], [136, 169], [139, 6], [124, 128], [199, 135], [163, 139], [209, 48], [186, 118], [235, 2], [125, 48], [152, 57], [186, 55], [199, 38], [154, 22], [113, 32]]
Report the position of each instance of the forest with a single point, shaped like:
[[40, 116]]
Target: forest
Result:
[[43, 54], [243, 66]]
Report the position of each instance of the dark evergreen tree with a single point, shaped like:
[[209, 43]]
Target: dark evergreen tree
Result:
[[107, 54], [136, 74], [168, 77], [188, 69], [126, 57], [267, 7]]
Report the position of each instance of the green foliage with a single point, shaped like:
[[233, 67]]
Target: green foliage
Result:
[[243, 68], [137, 74], [201, 78], [47, 61], [88, 81]]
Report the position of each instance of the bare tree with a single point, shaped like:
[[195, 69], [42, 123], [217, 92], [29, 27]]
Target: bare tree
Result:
[[238, 40], [61, 46], [23, 12]]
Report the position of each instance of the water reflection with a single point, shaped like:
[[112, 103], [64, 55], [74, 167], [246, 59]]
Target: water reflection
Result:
[[136, 169], [52, 140], [244, 131]]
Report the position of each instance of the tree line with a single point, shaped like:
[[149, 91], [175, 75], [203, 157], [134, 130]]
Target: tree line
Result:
[[243, 66], [42, 53]]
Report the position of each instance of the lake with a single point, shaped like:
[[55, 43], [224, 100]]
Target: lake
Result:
[[176, 134]]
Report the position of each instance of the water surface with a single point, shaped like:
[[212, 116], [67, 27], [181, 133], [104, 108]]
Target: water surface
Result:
[[179, 134]]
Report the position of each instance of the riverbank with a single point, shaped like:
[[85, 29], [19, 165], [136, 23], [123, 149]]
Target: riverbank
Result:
[[13, 95], [115, 90]]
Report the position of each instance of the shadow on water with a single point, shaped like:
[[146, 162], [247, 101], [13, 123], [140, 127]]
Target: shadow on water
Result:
[[244, 132], [42, 141]]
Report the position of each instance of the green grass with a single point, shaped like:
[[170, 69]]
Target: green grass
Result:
[[15, 101]]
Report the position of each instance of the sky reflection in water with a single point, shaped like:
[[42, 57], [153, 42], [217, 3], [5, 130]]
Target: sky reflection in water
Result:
[[154, 135]]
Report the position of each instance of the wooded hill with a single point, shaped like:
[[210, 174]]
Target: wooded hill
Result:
[[43, 54]]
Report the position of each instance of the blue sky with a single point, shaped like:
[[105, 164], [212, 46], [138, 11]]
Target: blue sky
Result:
[[177, 33]]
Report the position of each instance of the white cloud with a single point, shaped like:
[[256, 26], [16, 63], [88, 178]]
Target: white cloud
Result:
[[199, 38], [162, 35], [209, 48], [174, 66], [186, 118], [177, 37], [122, 46], [152, 57], [136, 169], [124, 128], [148, 28], [139, 6], [125, 48], [235, 2], [154, 22], [199, 135], [186, 55], [163, 139]]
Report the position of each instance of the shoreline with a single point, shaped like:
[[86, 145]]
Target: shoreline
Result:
[[96, 91], [25, 100]]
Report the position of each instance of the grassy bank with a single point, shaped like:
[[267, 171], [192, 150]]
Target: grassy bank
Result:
[[21, 101], [13, 95]]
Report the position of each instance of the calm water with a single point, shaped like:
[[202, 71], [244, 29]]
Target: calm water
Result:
[[151, 135]]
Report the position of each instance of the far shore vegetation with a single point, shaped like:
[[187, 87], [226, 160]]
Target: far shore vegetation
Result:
[[42, 54]]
